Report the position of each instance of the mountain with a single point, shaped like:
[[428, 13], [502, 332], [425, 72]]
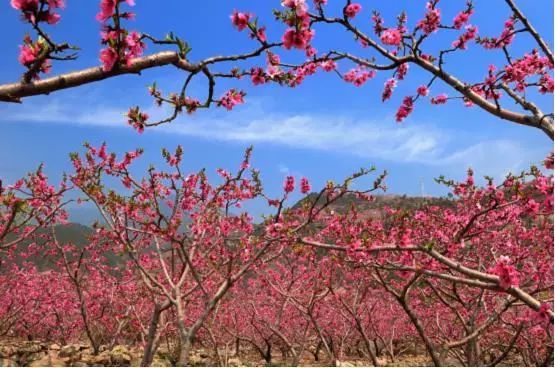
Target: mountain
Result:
[[375, 207]]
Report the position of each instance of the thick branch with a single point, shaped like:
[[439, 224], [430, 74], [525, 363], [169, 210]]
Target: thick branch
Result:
[[530, 29], [15, 91], [537, 122]]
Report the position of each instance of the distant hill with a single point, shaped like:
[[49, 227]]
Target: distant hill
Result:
[[375, 207], [68, 233], [79, 234]]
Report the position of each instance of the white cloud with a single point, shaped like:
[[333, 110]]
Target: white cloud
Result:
[[368, 138], [64, 113], [283, 169], [364, 138]]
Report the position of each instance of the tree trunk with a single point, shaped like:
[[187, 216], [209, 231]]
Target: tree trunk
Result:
[[150, 345], [420, 329], [184, 351]]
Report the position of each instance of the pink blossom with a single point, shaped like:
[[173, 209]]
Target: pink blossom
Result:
[[543, 315], [471, 32], [391, 36], [272, 59], [297, 38], [545, 84], [240, 20], [548, 161], [232, 98], [405, 109], [25, 5], [56, 3], [299, 6], [260, 34], [328, 65], [352, 10], [28, 54], [137, 120], [423, 91], [389, 85], [258, 76], [529, 65], [52, 18], [462, 18], [401, 71], [134, 46], [432, 19], [406, 238], [289, 184], [359, 76], [507, 273], [439, 99], [505, 39], [305, 186], [108, 57], [107, 10]]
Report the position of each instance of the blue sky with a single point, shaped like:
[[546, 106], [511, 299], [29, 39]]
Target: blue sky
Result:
[[325, 129]]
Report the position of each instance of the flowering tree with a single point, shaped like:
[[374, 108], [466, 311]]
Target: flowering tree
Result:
[[395, 48], [180, 235], [496, 244], [28, 205], [193, 270]]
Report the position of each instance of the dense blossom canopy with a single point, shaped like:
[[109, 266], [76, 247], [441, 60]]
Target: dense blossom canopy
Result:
[[175, 258]]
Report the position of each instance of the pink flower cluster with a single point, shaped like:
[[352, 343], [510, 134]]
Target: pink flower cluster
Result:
[[359, 76], [401, 71], [36, 11], [137, 119], [289, 184], [240, 20], [549, 161], [422, 91], [258, 76], [405, 109], [352, 10], [462, 18], [131, 46], [391, 36], [232, 98], [122, 46], [505, 39], [439, 99], [298, 6], [299, 35], [529, 65], [543, 315], [108, 9], [508, 275], [545, 84], [471, 32], [432, 19], [298, 39], [328, 65], [389, 85], [319, 3], [305, 186], [29, 53]]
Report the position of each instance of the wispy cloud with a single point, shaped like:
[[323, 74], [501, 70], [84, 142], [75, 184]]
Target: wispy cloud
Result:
[[418, 143], [58, 112]]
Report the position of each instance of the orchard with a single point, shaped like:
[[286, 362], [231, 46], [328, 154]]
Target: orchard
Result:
[[176, 266]]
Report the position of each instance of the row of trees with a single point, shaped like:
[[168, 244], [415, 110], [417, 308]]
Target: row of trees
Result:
[[470, 282]]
